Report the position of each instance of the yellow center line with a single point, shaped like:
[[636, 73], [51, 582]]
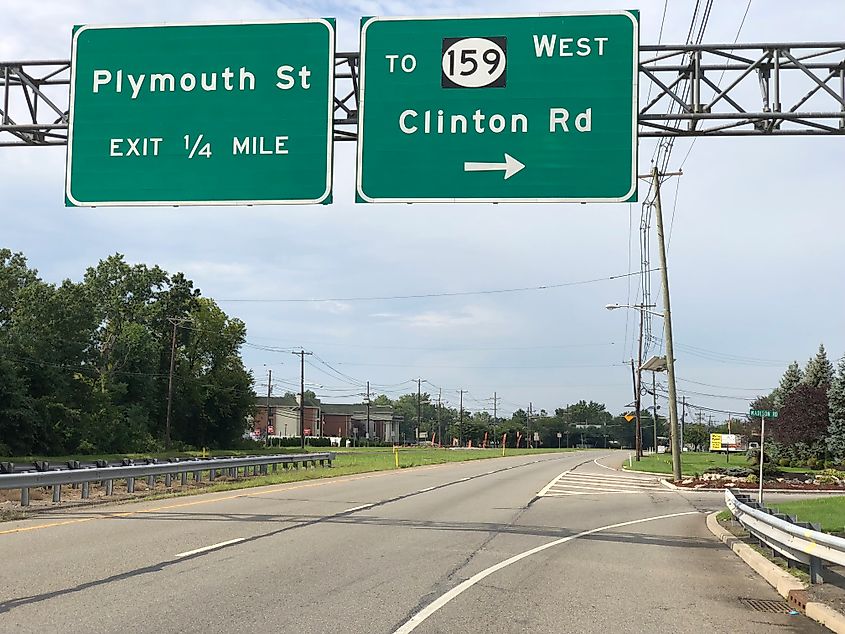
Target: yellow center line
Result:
[[265, 491]]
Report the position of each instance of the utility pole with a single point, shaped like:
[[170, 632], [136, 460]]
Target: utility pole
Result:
[[368, 412], [419, 408], [439, 427], [667, 329], [461, 422], [638, 446], [269, 391], [683, 419], [302, 354], [495, 402], [529, 441], [654, 396], [175, 321], [640, 386]]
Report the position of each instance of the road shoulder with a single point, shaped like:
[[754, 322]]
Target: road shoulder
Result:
[[784, 583]]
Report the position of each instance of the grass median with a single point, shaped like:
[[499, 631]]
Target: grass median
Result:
[[365, 460], [829, 512], [691, 462]]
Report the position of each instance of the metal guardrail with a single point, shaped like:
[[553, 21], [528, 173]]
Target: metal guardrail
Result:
[[795, 541], [152, 469]]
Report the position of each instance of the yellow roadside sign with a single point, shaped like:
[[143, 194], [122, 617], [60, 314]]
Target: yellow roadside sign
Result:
[[629, 417], [715, 442]]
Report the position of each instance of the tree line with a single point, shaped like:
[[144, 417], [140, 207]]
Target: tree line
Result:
[[583, 422], [810, 427], [84, 366]]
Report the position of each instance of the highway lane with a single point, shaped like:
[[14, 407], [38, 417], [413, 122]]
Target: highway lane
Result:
[[310, 557]]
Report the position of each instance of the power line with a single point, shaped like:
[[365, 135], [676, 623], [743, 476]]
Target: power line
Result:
[[542, 287]]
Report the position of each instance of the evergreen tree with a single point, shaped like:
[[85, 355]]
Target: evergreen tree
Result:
[[788, 382], [819, 372], [836, 402]]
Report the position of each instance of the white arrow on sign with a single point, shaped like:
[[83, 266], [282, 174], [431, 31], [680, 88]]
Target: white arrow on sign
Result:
[[510, 167]]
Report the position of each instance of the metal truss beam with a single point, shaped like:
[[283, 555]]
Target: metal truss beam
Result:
[[771, 89]]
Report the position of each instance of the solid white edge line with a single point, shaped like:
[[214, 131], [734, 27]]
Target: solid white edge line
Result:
[[604, 465], [358, 508], [425, 490], [212, 547], [443, 599]]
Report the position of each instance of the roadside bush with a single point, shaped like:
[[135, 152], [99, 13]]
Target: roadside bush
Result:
[[812, 462], [739, 472], [715, 470], [771, 471], [752, 479], [784, 462], [829, 464]]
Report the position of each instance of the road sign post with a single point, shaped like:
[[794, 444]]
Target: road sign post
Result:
[[763, 414], [536, 108], [201, 114]]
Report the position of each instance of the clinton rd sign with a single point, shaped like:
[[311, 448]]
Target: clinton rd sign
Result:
[[523, 109], [201, 114]]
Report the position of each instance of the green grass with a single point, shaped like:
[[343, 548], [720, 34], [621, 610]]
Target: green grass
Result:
[[829, 512], [691, 462]]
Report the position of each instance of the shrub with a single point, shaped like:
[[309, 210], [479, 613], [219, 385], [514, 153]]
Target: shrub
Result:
[[812, 462], [784, 462], [752, 478]]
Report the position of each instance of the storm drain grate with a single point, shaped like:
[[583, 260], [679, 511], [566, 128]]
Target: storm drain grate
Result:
[[772, 606]]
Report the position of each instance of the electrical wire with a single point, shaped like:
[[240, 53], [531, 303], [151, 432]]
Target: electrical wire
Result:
[[542, 287]]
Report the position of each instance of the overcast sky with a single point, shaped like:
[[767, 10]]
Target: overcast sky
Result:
[[755, 256]]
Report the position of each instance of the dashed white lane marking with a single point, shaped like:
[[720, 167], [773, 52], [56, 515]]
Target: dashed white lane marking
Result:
[[212, 547], [582, 483], [358, 508], [412, 623]]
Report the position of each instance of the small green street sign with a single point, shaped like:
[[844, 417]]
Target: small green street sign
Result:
[[767, 413], [539, 108], [201, 114]]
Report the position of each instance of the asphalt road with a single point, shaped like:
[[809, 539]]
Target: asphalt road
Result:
[[460, 547]]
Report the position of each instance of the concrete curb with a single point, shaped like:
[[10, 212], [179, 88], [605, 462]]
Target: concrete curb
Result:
[[783, 582], [827, 616], [668, 485]]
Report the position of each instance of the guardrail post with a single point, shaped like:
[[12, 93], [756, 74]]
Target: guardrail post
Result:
[[275, 467], [197, 476], [130, 485], [151, 482], [109, 487], [24, 497], [168, 480], [816, 570], [85, 489], [184, 476], [57, 493]]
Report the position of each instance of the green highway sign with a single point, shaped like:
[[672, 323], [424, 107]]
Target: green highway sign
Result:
[[201, 114], [767, 413], [539, 108]]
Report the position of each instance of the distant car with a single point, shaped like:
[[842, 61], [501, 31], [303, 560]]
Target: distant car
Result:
[[753, 445]]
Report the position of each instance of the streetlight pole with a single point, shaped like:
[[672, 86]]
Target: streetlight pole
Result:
[[674, 437], [176, 321]]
